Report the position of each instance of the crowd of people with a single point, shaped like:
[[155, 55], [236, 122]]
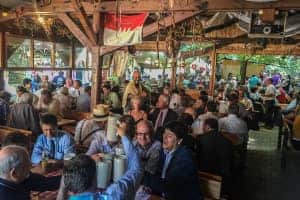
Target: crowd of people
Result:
[[167, 137]]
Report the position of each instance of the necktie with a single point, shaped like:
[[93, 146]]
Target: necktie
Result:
[[159, 120], [52, 149]]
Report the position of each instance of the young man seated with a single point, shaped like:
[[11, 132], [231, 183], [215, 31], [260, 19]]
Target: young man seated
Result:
[[16, 181], [80, 173], [53, 143], [177, 173]]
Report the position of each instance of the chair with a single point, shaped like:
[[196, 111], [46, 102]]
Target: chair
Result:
[[287, 133], [211, 185]]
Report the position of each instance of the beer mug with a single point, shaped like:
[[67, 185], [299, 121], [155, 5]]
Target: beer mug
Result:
[[104, 173], [119, 167]]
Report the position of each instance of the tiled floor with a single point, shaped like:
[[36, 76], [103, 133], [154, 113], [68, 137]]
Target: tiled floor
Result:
[[263, 179]]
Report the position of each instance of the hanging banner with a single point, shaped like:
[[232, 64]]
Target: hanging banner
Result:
[[123, 29]]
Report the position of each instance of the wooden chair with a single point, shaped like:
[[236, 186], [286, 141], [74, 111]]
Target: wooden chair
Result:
[[211, 185], [288, 133]]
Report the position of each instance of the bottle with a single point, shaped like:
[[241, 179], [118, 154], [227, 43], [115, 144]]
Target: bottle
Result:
[[44, 161]]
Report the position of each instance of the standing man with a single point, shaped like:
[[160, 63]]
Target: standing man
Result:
[[134, 88], [269, 99]]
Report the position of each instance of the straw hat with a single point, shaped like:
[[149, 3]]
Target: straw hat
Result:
[[100, 112]]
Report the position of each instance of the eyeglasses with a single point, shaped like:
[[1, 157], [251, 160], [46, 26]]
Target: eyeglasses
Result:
[[143, 134]]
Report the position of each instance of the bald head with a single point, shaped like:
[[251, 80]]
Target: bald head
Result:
[[144, 132], [14, 163]]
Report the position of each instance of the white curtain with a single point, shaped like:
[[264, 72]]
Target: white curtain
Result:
[[119, 63]]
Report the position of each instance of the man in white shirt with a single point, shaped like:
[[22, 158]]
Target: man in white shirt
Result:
[[269, 101], [235, 129]]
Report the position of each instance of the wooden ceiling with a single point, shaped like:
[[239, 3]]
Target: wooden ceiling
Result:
[[74, 20]]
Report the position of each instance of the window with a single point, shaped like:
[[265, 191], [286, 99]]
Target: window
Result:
[[42, 54], [62, 55], [80, 57], [18, 52]]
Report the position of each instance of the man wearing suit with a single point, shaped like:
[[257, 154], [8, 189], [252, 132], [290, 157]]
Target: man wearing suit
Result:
[[162, 115], [215, 153]]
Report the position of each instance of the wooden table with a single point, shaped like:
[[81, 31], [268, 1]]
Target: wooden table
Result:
[[5, 130], [47, 195]]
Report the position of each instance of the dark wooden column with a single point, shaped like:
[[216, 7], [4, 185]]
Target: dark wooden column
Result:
[[2, 58], [213, 58], [96, 76]]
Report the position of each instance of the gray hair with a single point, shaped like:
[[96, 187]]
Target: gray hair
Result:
[[166, 98], [26, 98], [14, 157], [149, 125]]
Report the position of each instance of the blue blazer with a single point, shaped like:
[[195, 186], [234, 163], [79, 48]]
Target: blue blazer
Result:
[[181, 181]]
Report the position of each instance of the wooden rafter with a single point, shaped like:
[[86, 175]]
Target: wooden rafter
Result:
[[152, 28], [155, 6], [84, 20], [83, 39]]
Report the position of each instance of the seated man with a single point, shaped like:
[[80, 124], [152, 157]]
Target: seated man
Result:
[[235, 129], [23, 116], [83, 101], [161, 115], [215, 153], [16, 181], [53, 143], [101, 144], [177, 177], [79, 176], [148, 148]]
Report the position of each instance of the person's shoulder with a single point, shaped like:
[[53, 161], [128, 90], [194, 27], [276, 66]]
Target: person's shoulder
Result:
[[156, 145]]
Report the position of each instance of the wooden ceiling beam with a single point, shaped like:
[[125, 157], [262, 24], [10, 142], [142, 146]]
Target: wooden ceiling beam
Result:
[[152, 28], [271, 49], [154, 6], [84, 20], [75, 30]]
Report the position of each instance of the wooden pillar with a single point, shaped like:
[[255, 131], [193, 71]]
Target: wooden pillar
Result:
[[2, 59], [97, 76], [213, 62], [174, 68], [31, 53], [53, 55]]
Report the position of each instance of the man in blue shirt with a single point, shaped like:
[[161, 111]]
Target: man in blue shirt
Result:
[[53, 143], [82, 182]]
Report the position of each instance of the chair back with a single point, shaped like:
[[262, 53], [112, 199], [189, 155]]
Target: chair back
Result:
[[211, 185]]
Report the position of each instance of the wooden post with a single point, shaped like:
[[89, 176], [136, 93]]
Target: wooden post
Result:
[[97, 76], [173, 78], [213, 58], [97, 64], [2, 59], [53, 55], [32, 53]]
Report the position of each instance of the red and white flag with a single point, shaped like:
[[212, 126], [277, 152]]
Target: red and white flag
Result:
[[124, 29]]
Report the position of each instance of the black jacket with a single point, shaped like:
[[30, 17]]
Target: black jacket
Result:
[[181, 181], [171, 116], [21, 191], [215, 155]]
